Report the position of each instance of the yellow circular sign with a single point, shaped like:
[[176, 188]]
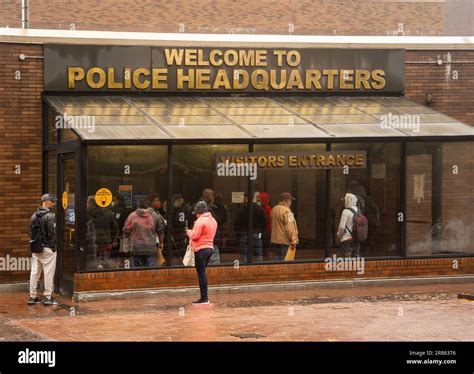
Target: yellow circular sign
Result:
[[64, 199], [103, 197]]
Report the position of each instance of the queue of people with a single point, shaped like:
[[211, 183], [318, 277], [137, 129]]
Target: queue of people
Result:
[[117, 236], [139, 235]]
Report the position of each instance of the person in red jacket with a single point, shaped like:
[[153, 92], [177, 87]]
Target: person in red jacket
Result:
[[202, 241]]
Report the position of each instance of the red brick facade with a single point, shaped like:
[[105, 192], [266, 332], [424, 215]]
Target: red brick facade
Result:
[[186, 277], [21, 144], [316, 17]]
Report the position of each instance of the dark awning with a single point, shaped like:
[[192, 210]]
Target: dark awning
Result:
[[168, 118]]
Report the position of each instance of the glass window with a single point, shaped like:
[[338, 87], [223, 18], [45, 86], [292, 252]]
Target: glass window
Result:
[[307, 186], [51, 177], [439, 196], [52, 125], [457, 212], [128, 229], [195, 178], [377, 190]]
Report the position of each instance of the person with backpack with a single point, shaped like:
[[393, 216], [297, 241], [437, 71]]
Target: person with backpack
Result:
[[367, 207], [352, 227], [43, 249]]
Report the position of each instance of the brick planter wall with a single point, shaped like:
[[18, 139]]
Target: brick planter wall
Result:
[[186, 277]]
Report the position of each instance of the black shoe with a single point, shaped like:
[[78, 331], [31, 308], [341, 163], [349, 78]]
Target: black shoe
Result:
[[201, 302], [34, 301], [50, 301]]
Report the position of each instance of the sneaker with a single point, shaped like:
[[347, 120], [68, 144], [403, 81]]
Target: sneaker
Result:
[[201, 302], [50, 301], [34, 300]]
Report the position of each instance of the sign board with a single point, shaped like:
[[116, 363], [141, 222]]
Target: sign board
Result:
[[77, 68], [103, 197]]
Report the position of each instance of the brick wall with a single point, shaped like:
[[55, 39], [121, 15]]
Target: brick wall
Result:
[[187, 277], [20, 144], [450, 96], [318, 17]]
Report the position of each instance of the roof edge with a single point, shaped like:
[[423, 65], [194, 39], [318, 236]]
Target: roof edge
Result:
[[44, 36]]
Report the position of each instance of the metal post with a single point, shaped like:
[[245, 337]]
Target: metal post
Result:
[[25, 14], [250, 216], [169, 213]]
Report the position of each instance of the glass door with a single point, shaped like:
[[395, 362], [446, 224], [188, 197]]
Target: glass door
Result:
[[66, 223]]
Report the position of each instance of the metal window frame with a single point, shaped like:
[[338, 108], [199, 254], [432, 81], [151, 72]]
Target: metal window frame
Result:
[[80, 148]]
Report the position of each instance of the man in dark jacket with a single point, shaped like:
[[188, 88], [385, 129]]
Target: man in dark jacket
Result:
[[259, 223], [105, 228], [46, 260], [179, 214]]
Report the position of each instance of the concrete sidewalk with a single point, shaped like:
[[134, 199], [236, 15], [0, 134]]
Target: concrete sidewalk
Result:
[[382, 313]]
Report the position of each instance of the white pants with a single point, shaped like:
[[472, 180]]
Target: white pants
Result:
[[45, 262]]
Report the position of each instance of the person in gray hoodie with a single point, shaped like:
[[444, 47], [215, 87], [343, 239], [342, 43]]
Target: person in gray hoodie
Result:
[[140, 229], [348, 245]]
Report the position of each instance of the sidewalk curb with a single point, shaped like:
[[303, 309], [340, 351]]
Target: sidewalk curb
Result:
[[271, 286]]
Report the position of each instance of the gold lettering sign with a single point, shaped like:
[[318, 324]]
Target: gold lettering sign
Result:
[[187, 69], [298, 160]]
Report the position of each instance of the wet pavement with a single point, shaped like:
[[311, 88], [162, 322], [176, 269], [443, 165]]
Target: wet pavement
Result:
[[375, 313]]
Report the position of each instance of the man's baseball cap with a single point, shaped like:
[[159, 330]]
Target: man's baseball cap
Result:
[[48, 197], [287, 196]]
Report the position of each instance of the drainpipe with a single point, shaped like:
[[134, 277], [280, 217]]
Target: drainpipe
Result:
[[24, 14]]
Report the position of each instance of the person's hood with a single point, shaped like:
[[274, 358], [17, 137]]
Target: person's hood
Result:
[[264, 198], [350, 200], [96, 212], [144, 213], [41, 211]]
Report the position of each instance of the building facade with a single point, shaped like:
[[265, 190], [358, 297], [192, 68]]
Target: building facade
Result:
[[162, 133]]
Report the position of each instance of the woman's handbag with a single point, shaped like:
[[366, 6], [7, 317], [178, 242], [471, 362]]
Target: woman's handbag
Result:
[[188, 259], [124, 245]]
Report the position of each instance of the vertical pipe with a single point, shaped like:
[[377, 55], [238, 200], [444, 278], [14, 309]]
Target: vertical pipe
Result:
[[403, 198], [327, 210], [25, 14]]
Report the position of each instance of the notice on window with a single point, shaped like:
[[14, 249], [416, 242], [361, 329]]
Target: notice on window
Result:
[[419, 187], [238, 197], [378, 171], [126, 191]]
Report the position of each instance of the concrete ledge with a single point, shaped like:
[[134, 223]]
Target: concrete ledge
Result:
[[272, 286], [84, 37], [15, 287]]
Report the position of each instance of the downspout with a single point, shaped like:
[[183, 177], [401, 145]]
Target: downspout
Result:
[[25, 14]]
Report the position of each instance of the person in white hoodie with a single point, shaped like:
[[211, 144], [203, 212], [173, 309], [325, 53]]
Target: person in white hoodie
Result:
[[348, 245]]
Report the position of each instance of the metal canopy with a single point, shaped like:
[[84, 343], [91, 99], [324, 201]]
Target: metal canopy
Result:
[[201, 118]]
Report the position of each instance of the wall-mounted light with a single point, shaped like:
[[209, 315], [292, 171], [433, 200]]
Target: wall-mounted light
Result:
[[429, 98]]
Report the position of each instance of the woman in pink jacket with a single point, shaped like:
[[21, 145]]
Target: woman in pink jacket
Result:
[[202, 241]]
